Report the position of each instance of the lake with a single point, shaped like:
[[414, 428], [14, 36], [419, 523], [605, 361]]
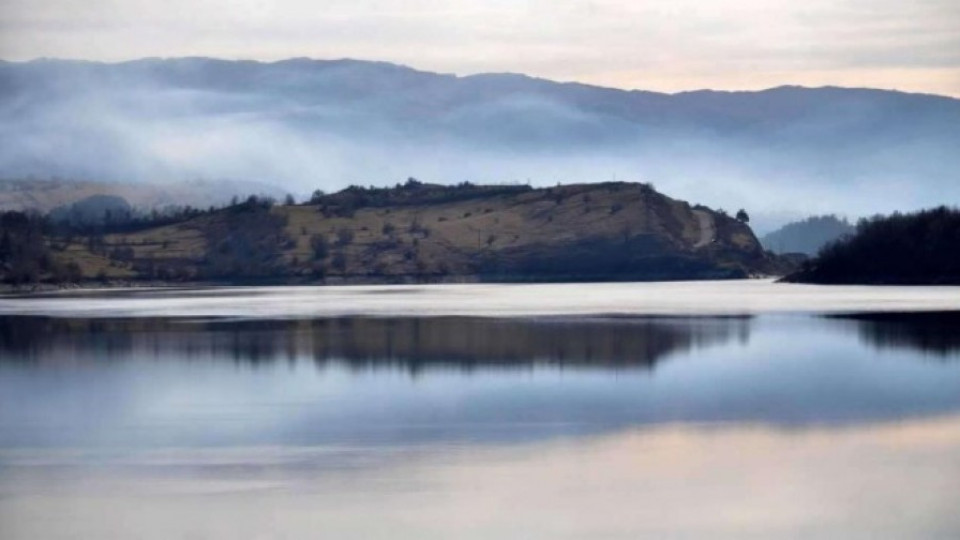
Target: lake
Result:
[[671, 410]]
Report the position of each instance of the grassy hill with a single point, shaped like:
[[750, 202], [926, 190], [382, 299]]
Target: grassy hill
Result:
[[416, 232]]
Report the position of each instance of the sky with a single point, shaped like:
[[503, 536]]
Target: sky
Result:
[[661, 45]]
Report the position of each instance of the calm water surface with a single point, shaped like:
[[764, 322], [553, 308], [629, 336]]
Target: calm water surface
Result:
[[762, 425]]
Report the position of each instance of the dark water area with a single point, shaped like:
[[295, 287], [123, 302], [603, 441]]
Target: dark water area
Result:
[[933, 333]]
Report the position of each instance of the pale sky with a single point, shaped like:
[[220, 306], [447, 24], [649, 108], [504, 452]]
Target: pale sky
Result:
[[664, 45]]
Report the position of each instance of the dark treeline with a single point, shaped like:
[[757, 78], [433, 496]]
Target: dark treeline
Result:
[[25, 256], [916, 248], [413, 192], [103, 214], [33, 247], [245, 243]]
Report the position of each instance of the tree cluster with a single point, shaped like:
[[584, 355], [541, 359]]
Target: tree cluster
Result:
[[245, 241], [25, 256], [916, 248], [413, 192]]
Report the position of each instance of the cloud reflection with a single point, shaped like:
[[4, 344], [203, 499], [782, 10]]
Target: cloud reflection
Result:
[[895, 481]]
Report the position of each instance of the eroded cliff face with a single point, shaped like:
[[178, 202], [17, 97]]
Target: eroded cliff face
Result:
[[610, 231], [618, 231]]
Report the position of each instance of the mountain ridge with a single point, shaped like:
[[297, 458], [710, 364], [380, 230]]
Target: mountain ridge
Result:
[[302, 123], [405, 67]]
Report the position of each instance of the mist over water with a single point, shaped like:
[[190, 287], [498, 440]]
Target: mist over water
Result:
[[304, 124]]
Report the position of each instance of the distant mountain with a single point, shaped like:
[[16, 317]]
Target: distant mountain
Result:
[[807, 236], [412, 232], [58, 195], [302, 124]]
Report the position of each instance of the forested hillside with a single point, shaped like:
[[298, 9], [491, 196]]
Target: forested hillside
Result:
[[915, 248]]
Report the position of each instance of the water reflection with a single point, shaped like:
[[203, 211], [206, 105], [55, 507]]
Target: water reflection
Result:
[[149, 382], [418, 343], [410, 343], [934, 333], [223, 429]]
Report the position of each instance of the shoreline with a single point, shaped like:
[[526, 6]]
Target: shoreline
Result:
[[635, 299], [42, 288]]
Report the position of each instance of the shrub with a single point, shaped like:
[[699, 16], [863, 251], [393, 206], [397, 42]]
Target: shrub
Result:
[[344, 236], [339, 262], [320, 247]]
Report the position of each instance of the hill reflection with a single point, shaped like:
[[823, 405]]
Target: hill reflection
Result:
[[410, 343]]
